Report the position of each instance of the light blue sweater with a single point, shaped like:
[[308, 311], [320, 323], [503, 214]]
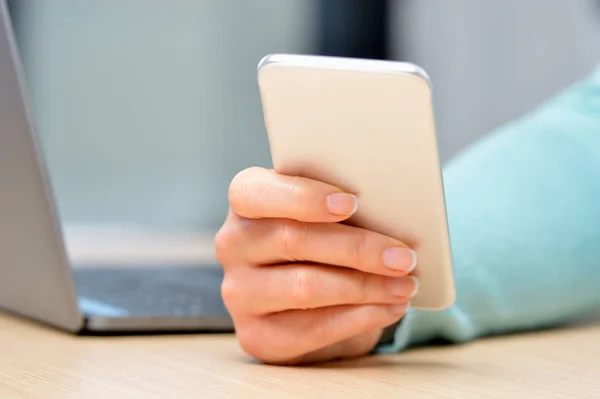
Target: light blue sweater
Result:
[[524, 218]]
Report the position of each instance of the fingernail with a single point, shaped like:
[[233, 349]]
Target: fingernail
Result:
[[416, 285], [342, 204], [400, 258], [404, 286]]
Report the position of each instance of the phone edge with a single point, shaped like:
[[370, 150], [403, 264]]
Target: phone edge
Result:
[[345, 63]]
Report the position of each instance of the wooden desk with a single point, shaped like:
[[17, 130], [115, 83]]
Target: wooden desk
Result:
[[38, 362]]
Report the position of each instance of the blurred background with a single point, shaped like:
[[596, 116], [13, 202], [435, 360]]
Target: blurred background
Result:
[[146, 109]]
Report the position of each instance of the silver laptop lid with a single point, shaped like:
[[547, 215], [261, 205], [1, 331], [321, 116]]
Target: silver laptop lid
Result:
[[35, 277]]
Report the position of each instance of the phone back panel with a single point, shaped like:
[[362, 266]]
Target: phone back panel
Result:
[[367, 127]]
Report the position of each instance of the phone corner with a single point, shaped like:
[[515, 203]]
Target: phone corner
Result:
[[444, 302], [267, 60], [423, 74]]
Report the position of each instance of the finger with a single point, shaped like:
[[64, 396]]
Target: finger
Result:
[[279, 241], [302, 286], [359, 345], [295, 333], [261, 193]]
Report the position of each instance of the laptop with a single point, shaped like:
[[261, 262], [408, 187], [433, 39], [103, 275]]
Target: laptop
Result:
[[37, 280]]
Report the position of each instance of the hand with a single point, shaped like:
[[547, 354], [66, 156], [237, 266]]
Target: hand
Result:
[[300, 286]]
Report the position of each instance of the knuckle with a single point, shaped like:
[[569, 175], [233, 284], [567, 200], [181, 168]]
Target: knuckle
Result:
[[231, 292], [251, 336], [360, 248], [306, 199], [224, 242], [292, 237], [221, 241], [364, 288], [250, 339], [233, 237], [303, 285], [242, 190]]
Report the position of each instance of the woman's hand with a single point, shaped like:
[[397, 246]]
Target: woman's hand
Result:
[[300, 286]]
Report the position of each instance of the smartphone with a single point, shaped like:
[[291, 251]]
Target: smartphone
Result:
[[366, 126]]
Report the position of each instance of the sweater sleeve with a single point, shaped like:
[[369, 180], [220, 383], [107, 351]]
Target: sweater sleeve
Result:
[[524, 218]]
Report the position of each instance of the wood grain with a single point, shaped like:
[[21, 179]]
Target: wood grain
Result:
[[38, 362]]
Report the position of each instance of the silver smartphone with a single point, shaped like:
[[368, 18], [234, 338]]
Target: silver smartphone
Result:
[[366, 126]]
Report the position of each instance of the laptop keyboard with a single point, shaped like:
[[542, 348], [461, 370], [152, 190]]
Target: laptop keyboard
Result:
[[154, 292]]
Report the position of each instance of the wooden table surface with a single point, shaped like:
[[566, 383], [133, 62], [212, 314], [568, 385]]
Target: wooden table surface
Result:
[[39, 362]]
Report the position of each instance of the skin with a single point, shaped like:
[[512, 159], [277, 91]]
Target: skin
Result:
[[301, 286]]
